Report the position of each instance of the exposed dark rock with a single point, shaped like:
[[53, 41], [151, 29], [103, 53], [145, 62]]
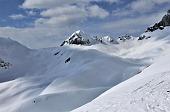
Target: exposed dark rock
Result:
[[142, 37], [67, 60], [162, 24], [125, 37], [57, 53], [4, 64], [77, 38]]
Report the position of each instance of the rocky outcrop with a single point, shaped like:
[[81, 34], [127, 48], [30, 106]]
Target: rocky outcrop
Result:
[[78, 38], [4, 65], [124, 38], [162, 24], [142, 37]]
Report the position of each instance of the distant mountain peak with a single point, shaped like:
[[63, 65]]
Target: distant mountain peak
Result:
[[81, 38], [78, 38], [79, 32]]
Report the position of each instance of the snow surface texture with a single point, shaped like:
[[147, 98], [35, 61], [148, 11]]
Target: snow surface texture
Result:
[[64, 78], [148, 91]]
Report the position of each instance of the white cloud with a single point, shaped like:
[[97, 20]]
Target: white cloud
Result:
[[64, 16], [76, 11], [70, 15], [49, 3], [46, 36], [146, 5], [63, 13], [40, 3], [17, 16], [113, 1], [31, 13], [160, 1], [64, 10], [54, 3], [96, 11], [59, 18], [141, 7], [121, 12], [61, 21], [131, 25]]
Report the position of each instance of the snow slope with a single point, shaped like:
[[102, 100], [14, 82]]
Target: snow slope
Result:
[[64, 78], [149, 91], [87, 79]]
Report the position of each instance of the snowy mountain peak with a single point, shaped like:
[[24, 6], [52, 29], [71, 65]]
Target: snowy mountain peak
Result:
[[78, 38], [80, 34], [109, 39], [81, 38]]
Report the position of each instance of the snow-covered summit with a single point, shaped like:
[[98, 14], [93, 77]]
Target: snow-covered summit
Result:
[[81, 38], [78, 38], [109, 39]]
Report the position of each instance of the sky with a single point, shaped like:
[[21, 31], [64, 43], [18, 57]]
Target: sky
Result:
[[46, 23]]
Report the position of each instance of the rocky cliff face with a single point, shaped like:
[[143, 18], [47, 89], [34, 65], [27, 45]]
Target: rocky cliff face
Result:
[[162, 24]]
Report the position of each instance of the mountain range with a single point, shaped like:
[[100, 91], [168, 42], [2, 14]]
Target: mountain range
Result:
[[87, 74]]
